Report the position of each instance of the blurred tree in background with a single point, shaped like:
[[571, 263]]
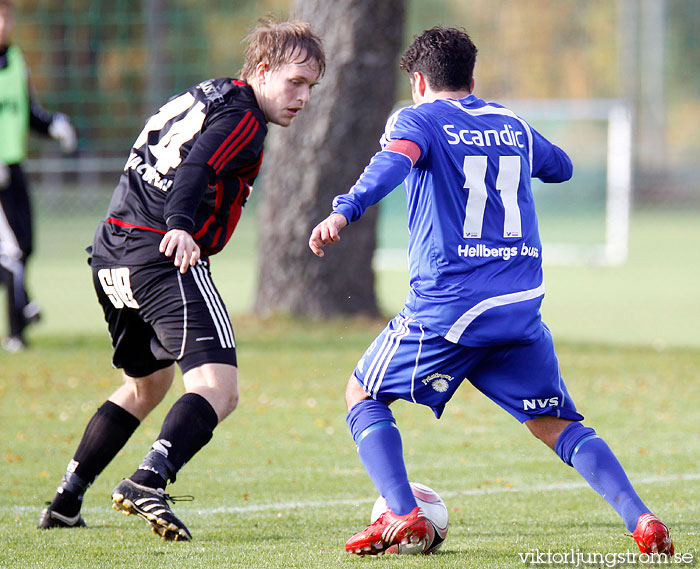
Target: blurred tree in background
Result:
[[322, 155]]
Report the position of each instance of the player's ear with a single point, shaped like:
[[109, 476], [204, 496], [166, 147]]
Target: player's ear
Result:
[[419, 83], [261, 71], [471, 90]]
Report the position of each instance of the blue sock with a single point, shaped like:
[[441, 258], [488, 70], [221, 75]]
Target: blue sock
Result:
[[582, 448], [379, 445]]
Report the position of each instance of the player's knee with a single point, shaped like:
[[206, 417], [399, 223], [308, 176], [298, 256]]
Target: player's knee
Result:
[[149, 399], [218, 384], [547, 429], [147, 392], [230, 402]]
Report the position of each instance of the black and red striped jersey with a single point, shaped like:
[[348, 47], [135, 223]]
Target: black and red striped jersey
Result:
[[192, 168]]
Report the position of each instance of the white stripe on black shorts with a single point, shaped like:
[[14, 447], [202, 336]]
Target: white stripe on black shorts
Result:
[[156, 316]]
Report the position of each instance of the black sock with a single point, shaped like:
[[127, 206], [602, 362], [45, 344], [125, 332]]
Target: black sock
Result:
[[105, 435], [187, 427]]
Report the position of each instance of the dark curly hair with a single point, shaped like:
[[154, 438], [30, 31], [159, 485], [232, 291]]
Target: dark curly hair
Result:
[[445, 57]]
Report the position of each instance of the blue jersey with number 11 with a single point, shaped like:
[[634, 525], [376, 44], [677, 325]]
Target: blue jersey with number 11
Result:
[[475, 256]]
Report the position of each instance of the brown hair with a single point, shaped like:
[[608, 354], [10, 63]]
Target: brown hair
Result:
[[277, 43]]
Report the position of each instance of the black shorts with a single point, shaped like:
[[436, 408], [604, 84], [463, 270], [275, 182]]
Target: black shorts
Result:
[[157, 316]]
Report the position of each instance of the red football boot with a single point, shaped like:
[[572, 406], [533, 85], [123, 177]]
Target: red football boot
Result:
[[412, 530], [652, 536]]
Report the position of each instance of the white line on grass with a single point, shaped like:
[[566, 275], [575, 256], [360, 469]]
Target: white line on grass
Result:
[[446, 494], [280, 506]]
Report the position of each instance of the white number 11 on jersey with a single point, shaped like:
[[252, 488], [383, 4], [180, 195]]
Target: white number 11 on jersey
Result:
[[507, 183]]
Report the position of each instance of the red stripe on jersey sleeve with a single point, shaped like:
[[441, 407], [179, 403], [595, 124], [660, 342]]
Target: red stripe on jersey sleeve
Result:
[[212, 217], [215, 239], [235, 212], [252, 171], [229, 138], [236, 146], [406, 147]]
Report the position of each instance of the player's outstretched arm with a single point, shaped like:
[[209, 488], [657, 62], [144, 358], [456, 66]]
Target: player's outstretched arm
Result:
[[182, 245], [387, 169], [326, 232]]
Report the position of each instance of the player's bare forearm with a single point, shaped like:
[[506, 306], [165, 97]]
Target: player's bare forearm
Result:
[[326, 232], [181, 245]]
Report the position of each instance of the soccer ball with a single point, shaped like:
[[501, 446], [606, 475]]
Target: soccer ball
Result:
[[434, 510]]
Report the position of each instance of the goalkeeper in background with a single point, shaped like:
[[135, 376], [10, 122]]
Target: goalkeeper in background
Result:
[[19, 112]]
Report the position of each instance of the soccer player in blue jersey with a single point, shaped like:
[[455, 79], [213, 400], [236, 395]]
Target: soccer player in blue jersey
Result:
[[476, 285]]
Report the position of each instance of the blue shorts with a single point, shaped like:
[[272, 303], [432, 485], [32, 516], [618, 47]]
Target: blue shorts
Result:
[[408, 361]]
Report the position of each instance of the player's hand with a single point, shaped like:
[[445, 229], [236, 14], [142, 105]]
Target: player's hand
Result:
[[60, 129], [182, 245], [5, 176], [326, 232]]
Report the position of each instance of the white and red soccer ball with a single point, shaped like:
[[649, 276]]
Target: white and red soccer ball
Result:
[[434, 510]]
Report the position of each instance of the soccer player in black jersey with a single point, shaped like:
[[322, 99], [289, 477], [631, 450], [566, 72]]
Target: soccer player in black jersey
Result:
[[177, 203]]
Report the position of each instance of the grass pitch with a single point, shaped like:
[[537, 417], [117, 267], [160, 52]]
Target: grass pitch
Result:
[[281, 485]]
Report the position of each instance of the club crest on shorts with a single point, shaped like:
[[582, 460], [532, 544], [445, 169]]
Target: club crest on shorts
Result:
[[440, 382]]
